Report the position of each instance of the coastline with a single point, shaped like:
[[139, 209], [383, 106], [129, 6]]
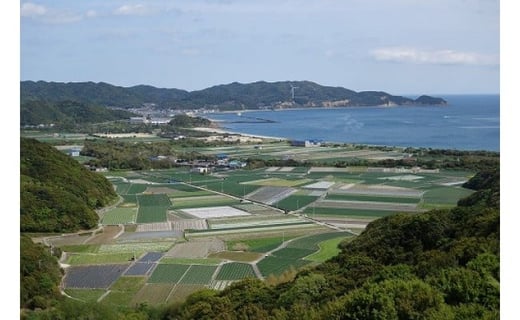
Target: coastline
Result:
[[219, 130]]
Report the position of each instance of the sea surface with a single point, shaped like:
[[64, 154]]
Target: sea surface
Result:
[[468, 122]]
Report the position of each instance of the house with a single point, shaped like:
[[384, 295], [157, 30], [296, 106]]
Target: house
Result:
[[306, 143]]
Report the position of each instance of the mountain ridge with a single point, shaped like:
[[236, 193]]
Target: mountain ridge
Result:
[[232, 96]]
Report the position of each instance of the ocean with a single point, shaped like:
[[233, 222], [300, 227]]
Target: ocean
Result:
[[468, 122]]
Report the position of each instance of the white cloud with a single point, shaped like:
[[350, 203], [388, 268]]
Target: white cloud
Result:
[[91, 14], [446, 57], [135, 9], [29, 9]]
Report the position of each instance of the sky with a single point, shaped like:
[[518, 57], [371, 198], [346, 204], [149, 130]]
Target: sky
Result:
[[397, 46]]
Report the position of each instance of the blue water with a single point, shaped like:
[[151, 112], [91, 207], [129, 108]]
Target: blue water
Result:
[[468, 122]]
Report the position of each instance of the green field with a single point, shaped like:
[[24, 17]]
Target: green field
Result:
[[168, 273], [152, 208], [295, 202], [187, 261], [235, 271], [120, 216], [276, 265], [136, 188], [198, 274], [312, 242], [445, 196], [153, 293]]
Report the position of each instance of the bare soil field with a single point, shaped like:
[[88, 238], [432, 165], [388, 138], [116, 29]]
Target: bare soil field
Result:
[[270, 195], [107, 236], [196, 248]]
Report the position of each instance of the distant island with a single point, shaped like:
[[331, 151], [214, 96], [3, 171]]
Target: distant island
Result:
[[227, 97]]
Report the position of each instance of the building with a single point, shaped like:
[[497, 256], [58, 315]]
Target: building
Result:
[[306, 143]]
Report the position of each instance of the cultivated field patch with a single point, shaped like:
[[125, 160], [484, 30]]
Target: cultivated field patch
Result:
[[152, 208], [100, 277], [152, 227], [270, 195], [119, 216], [182, 291], [215, 212], [153, 293], [198, 274], [235, 271], [168, 273], [236, 256], [322, 185], [195, 248], [191, 224], [87, 295]]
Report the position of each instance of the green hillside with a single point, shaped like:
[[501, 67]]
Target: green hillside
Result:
[[233, 96], [57, 194]]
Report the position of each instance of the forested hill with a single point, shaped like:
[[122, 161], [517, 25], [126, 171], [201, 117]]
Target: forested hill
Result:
[[67, 112], [234, 96], [57, 194]]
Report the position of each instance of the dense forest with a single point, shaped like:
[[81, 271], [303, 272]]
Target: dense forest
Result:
[[441, 264], [67, 113], [233, 96], [57, 194]]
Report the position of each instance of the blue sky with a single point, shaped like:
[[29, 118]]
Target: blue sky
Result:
[[398, 46]]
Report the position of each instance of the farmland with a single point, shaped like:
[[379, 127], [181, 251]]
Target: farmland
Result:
[[175, 231]]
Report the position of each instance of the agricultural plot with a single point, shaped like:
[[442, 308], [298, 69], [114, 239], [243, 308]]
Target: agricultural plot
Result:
[[322, 185], [181, 291], [203, 201], [261, 245], [152, 208], [235, 271], [132, 236], [151, 257], [195, 249], [94, 277], [119, 216], [220, 284], [255, 221], [365, 205], [198, 274], [236, 256], [312, 242], [380, 190], [347, 213], [215, 212], [277, 265], [168, 273], [256, 209], [99, 259], [138, 248], [136, 188], [328, 249], [87, 295], [270, 195], [295, 202], [154, 227], [189, 224], [277, 182], [140, 269], [444, 196], [371, 198], [231, 186], [153, 293]]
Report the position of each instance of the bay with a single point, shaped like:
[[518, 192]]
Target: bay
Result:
[[468, 122]]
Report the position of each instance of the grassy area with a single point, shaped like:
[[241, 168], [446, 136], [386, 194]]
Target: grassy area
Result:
[[153, 293], [81, 248], [128, 283], [328, 249], [87, 295], [168, 273]]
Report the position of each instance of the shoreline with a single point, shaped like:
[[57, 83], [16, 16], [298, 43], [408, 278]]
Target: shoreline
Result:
[[219, 130]]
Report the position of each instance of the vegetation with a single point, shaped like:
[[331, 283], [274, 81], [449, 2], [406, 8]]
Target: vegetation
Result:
[[233, 96], [58, 194], [66, 114]]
